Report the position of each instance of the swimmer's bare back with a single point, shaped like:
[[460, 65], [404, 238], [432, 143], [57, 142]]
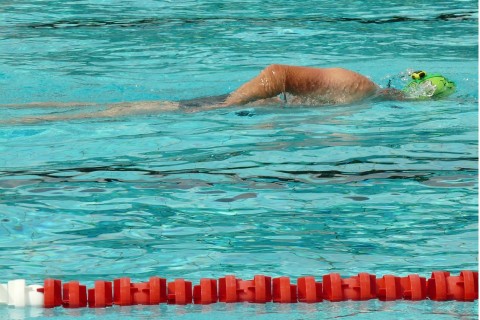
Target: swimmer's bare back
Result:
[[321, 85]]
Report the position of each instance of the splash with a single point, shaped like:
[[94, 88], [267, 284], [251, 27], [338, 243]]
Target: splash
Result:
[[420, 90]]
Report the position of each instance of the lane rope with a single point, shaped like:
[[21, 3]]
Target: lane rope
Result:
[[441, 286]]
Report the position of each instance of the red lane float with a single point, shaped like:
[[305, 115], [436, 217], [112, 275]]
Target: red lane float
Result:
[[389, 288], [101, 295], [357, 288], [258, 290], [179, 292], [283, 291], [152, 292], [309, 291], [441, 286], [74, 295], [52, 293], [413, 287], [205, 292]]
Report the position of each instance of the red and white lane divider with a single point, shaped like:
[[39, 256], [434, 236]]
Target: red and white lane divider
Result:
[[441, 286]]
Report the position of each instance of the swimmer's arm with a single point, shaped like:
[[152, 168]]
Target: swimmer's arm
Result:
[[105, 111], [268, 84], [51, 104], [391, 94]]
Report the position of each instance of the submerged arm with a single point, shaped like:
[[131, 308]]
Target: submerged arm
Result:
[[391, 94]]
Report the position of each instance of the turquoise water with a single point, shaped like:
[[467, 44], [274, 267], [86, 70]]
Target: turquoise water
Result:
[[384, 188]]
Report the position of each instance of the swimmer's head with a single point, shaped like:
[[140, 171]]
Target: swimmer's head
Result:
[[429, 85]]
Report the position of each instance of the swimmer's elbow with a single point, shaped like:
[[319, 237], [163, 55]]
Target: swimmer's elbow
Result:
[[273, 80], [275, 68], [277, 73]]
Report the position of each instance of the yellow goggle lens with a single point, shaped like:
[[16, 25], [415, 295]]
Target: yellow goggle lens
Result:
[[417, 75]]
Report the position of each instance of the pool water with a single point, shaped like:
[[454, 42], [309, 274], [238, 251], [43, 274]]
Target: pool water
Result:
[[384, 187]]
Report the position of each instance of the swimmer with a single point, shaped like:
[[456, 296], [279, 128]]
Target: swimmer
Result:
[[293, 85], [330, 86]]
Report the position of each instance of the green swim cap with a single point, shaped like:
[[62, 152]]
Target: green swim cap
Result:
[[424, 86]]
